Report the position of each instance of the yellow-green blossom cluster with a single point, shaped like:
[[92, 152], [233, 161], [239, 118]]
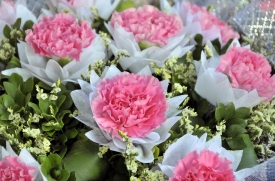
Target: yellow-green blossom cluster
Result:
[[130, 153], [6, 51], [102, 151], [147, 174], [185, 120], [119, 54], [261, 128]]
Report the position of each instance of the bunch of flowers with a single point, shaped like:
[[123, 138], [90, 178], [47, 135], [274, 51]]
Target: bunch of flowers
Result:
[[167, 92]]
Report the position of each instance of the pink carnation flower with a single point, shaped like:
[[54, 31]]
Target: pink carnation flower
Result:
[[209, 21], [204, 166], [60, 36], [148, 24], [130, 103], [248, 70], [12, 169]]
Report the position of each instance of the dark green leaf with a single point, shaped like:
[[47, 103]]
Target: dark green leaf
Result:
[[10, 88], [60, 100], [249, 158], [7, 32], [35, 107], [236, 143], [72, 177], [15, 79], [44, 86], [225, 47], [240, 122], [17, 24], [242, 112], [229, 111], [198, 38], [27, 86], [5, 116], [219, 113], [28, 25], [20, 98], [234, 130], [27, 99], [203, 106], [71, 133]]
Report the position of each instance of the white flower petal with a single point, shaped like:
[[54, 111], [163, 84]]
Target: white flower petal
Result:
[[25, 14], [110, 72], [81, 101], [23, 73], [173, 105], [145, 153]]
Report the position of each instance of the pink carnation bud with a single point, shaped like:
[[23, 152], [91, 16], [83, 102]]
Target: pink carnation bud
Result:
[[209, 21], [204, 166], [12, 169], [248, 70], [148, 24], [130, 103], [60, 36]]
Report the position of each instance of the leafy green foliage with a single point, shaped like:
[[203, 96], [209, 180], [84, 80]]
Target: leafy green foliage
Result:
[[52, 168], [37, 118]]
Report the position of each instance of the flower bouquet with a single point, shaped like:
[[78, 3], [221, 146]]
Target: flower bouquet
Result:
[[119, 90]]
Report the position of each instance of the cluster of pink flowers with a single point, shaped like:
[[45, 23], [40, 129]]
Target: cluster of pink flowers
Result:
[[209, 21], [148, 24], [248, 70], [60, 36], [130, 103], [12, 169], [204, 166]]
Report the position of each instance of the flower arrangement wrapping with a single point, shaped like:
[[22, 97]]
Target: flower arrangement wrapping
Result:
[[135, 90]]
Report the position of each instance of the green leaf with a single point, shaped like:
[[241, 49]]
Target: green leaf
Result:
[[249, 158], [10, 88], [225, 47], [15, 79], [72, 177], [234, 130], [60, 100], [28, 25], [19, 98], [198, 38], [44, 105], [44, 86], [83, 159], [217, 45], [238, 121], [27, 99], [7, 100], [51, 167], [5, 116], [7, 32], [17, 24], [236, 143], [27, 86], [219, 113], [203, 106], [35, 107], [156, 152], [123, 5], [229, 111], [71, 133], [13, 63], [242, 112]]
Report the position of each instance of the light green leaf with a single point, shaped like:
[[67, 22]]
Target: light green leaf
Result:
[[249, 158], [123, 5]]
